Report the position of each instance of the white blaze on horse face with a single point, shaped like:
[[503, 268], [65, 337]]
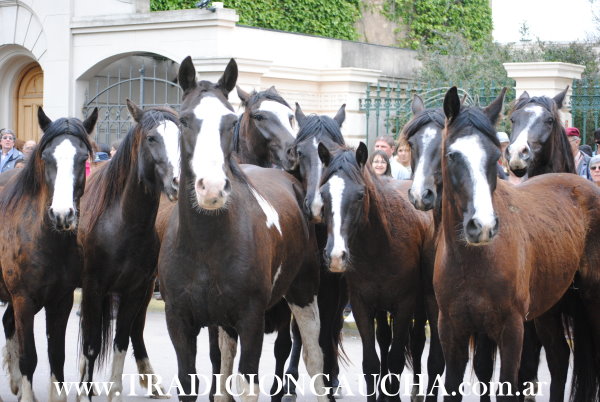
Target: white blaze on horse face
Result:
[[474, 154], [316, 206], [419, 179], [170, 134], [522, 143], [282, 112], [62, 200], [269, 211], [336, 191], [208, 161]]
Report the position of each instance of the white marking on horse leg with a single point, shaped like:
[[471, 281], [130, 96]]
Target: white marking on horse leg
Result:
[[116, 375], [228, 348], [309, 325], [11, 362], [54, 395], [144, 367], [250, 392], [26, 392]]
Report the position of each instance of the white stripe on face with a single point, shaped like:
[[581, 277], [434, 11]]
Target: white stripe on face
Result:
[[170, 134], [418, 185], [474, 154], [268, 210], [282, 112], [535, 112], [208, 160], [62, 200], [336, 190], [317, 203]]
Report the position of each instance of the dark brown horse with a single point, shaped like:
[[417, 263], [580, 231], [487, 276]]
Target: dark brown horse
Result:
[[482, 285], [237, 243], [41, 262], [382, 244], [119, 240]]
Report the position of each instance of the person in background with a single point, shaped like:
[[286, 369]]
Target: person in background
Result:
[[403, 158], [386, 144], [595, 169], [380, 163], [20, 163], [10, 154], [581, 160], [586, 149], [597, 141], [114, 147], [28, 148]]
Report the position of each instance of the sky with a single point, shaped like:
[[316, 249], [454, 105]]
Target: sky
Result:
[[548, 20]]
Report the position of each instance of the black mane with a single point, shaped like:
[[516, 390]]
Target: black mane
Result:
[[316, 126], [425, 117], [474, 116]]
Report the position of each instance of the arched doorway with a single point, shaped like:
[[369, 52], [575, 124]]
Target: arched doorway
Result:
[[30, 96]]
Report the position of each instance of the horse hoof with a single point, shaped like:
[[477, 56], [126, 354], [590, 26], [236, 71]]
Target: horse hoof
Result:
[[337, 392], [417, 398], [529, 398], [288, 398]]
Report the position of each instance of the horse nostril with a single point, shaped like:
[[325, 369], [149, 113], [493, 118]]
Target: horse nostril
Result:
[[473, 228], [51, 214], [428, 197], [524, 153], [201, 184], [344, 256], [175, 182], [227, 185], [495, 228]]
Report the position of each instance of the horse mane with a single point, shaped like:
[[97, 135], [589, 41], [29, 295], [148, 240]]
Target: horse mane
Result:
[[473, 116], [425, 117], [29, 182], [107, 185], [264, 95], [560, 158], [317, 125]]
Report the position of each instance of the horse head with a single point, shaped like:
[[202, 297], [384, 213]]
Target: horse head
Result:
[[304, 157], [159, 142], [470, 154], [536, 127], [61, 156], [208, 121]]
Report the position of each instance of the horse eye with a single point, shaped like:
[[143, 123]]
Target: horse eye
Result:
[[300, 154], [292, 121], [183, 121], [452, 156], [152, 138], [550, 120], [361, 196], [258, 117]]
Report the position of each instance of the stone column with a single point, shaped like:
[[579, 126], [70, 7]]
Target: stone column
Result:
[[546, 78]]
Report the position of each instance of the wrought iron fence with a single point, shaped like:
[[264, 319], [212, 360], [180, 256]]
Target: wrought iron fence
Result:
[[387, 106], [146, 90], [585, 107]]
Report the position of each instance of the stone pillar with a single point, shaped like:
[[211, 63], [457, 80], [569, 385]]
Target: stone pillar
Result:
[[546, 78]]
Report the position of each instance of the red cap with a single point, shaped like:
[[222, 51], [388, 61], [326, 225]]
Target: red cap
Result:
[[573, 132]]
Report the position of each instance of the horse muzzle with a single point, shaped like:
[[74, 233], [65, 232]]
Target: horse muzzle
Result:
[[65, 221], [519, 160], [423, 201], [337, 262], [212, 194], [478, 233], [172, 189]]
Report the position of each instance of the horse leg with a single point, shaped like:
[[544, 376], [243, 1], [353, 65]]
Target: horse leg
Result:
[[364, 317], [24, 311], [483, 362], [510, 341], [435, 360], [251, 330], [455, 344], [11, 349], [383, 334], [281, 350], [140, 353], [57, 316], [228, 349], [289, 387], [551, 334], [417, 339], [215, 359], [401, 322], [307, 317], [183, 336], [530, 357]]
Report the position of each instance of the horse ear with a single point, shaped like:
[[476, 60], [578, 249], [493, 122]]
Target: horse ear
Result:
[[340, 116], [417, 105], [495, 108], [229, 77], [187, 74], [451, 104], [324, 154], [300, 116], [90, 122], [524, 96], [560, 98], [362, 154], [243, 95], [134, 110], [273, 90], [43, 120]]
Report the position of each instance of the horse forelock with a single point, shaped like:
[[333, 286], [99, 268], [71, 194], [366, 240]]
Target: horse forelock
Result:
[[427, 116], [475, 118], [320, 127]]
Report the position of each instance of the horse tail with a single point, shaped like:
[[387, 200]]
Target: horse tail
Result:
[[586, 365], [90, 321]]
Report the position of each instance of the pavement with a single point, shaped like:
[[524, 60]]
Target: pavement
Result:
[[162, 357]]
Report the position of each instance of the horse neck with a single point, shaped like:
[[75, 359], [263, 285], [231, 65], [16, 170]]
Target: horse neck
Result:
[[253, 146], [141, 195], [555, 157], [375, 234]]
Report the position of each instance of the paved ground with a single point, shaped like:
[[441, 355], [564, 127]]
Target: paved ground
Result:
[[163, 359]]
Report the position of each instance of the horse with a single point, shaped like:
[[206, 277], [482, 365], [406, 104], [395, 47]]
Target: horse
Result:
[[381, 244], [39, 256], [304, 163], [538, 143], [236, 244], [120, 243], [483, 219]]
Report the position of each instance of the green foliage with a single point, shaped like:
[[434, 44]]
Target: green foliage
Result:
[[429, 21], [330, 18]]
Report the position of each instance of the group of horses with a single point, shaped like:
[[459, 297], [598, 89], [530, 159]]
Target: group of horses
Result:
[[276, 217]]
